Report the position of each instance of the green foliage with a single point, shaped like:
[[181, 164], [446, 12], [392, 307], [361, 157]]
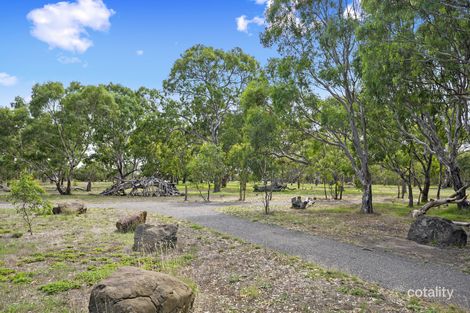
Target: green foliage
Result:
[[59, 286], [26, 197], [207, 165], [95, 274]]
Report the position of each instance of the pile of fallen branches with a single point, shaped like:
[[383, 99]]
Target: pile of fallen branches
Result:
[[275, 187], [146, 187]]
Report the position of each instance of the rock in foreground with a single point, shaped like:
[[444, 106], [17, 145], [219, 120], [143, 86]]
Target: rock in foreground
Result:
[[133, 290], [437, 231], [69, 208], [130, 223], [150, 238]]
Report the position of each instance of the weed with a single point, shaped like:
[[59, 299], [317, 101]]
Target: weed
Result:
[[22, 278], [234, 278], [251, 291]]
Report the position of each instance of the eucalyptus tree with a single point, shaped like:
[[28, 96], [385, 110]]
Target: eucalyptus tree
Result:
[[113, 136], [206, 165], [318, 42], [416, 61], [262, 132], [206, 84], [12, 121], [61, 130]]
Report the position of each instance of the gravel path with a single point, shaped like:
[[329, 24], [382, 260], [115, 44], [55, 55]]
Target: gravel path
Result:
[[388, 270]]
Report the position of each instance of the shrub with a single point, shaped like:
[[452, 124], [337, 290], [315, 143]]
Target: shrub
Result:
[[26, 196]]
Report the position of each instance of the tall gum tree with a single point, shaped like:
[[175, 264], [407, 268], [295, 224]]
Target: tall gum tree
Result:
[[416, 61], [319, 38], [61, 130], [206, 84]]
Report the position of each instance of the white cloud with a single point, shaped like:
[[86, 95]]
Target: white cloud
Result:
[[7, 79], [139, 52], [243, 22], [264, 2], [63, 25], [68, 60]]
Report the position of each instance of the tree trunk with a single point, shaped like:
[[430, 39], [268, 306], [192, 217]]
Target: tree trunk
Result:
[[185, 191], [366, 206], [217, 185], [426, 187], [209, 191], [341, 189], [398, 191], [68, 190], [267, 197], [403, 189], [427, 180], [224, 181], [324, 188], [458, 184], [244, 191], [59, 188], [439, 185], [410, 195]]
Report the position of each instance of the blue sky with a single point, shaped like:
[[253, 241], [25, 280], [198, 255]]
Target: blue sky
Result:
[[130, 42]]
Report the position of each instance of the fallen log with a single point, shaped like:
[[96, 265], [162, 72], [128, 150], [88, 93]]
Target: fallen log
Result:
[[4, 188], [130, 223], [454, 198]]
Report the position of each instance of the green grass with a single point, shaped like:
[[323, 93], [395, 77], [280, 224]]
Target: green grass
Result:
[[46, 305], [95, 274], [60, 286], [251, 291]]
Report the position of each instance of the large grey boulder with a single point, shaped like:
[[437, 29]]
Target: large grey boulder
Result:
[[133, 290], [69, 208], [150, 238], [437, 231]]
